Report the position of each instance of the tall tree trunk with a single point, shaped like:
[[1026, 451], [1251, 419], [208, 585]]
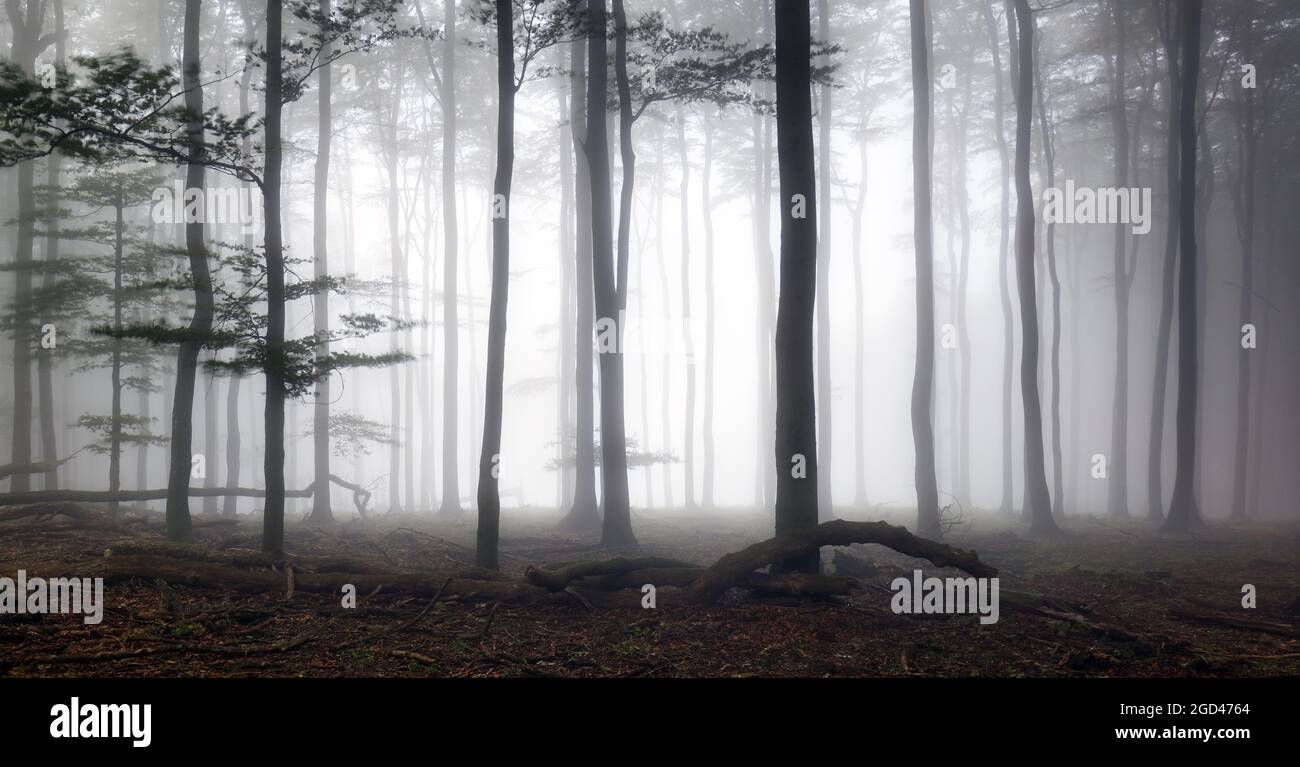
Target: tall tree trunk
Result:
[[859, 328], [1159, 390], [489, 498], [392, 148], [1182, 510], [178, 479], [688, 428], [1117, 481], [451, 324], [825, 419], [584, 514], [610, 289], [796, 405], [766, 283], [1048, 135], [115, 419], [321, 513], [1004, 285], [710, 312], [45, 358], [27, 32], [665, 372], [1038, 502], [273, 516], [567, 360], [1244, 197], [927, 493]]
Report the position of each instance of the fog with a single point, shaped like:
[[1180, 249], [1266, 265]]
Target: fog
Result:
[[705, 228]]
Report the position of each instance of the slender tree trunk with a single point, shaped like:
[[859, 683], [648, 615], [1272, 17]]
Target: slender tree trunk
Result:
[[688, 428], [451, 324], [1247, 153], [963, 280], [1117, 487], [178, 480], [927, 493], [859, 331], [766, 284], [710, 312], [1182, 510], [1048, 134], [825, 418], [489, 498], [273, 516], [321, 513], [1008, 327], [1038, 503], [567, 360], [584, 514], [610, 289], [27, 31], [796, 405], [397, 444], [1159, 391], [115, 425], [45, 358]]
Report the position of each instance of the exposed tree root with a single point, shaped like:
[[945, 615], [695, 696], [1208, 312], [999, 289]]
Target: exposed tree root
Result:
[[732, 568]]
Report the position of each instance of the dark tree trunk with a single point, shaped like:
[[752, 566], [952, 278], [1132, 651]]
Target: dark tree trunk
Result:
[[796, 406], [45, 358], [178, 479], [273, 516], [26, 46], [1048, 134], [617, 529], [927, 493], [115, 425], [1182, 510], [321, 513], [1117, 465], [1038, 503], [451, 324], [1159, 391], [397, 269], [489, 498]]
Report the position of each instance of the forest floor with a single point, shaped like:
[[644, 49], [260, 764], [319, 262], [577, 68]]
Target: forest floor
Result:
[[1147, 605]]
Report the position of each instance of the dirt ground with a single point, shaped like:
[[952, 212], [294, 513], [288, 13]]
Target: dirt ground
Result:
[[1140, 605]]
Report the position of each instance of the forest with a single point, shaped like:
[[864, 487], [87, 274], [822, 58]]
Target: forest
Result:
[[649, 338]]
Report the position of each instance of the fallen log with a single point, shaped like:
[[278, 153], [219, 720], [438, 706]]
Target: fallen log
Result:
[[360, 496], [67, 509], [39, 467], [556, 579], [732, 568]]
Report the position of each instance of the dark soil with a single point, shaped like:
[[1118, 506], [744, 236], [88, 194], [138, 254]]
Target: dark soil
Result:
[[1151, 606]]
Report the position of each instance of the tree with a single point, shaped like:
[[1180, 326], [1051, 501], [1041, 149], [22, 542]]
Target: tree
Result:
[[450, 506], [1168, 270], [825, 419], [796, 407], [1182, 510], [927, 493], [187, 356], [540, 30], [321, 513], [617, 528], [1038, 501], [1004, 161]]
